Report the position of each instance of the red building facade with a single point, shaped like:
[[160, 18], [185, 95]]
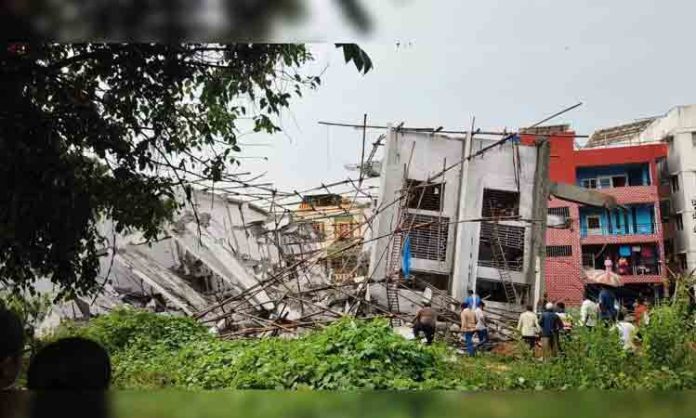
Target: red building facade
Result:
[[632, 236]]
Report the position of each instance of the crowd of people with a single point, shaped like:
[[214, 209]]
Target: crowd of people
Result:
[[543, 327], [552, 322]]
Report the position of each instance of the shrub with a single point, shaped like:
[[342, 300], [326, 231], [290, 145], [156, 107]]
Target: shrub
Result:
[[154, 351]]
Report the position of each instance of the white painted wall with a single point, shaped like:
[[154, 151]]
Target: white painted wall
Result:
[[680, 123]]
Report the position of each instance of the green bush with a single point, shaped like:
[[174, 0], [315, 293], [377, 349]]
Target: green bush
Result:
[[154, 351]]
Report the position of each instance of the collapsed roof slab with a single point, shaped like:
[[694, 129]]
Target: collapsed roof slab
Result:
[[171, 286], [222, 262]]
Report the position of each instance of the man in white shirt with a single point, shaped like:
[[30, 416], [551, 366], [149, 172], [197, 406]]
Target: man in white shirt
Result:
[[589, 310], [528, 326], [481, 326], [627, 333]]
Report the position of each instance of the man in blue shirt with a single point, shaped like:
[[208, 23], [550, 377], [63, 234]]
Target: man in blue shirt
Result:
[[607, 300], [473, 300], [551, 325]]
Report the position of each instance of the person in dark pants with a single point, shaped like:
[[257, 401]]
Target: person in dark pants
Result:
[[425, 322], [468, 328], [551, 326], [607, 308], [481, 326], [528, 326]]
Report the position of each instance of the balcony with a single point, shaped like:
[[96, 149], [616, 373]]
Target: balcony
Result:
[[636, 223], [638, 229], [630, 183], [635, 263]]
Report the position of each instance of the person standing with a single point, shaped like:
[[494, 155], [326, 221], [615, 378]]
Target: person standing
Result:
[[425, 322], [641, 311], [607, 305], [627, 333], [473, 300], [551, 326], [468, 327], [608, 265], [528, 326], [589, 311], [481, 325]]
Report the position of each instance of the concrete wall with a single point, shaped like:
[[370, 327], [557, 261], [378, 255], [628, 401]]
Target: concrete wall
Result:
[[493, 170], [426, 154], [680, 123], [423, 155]]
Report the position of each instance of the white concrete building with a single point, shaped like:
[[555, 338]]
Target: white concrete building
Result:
[[677, 129], [445, 250]]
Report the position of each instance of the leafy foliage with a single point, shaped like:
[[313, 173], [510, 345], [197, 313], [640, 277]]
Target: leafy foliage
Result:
[[31, 309], [151, 351], [121, 130]]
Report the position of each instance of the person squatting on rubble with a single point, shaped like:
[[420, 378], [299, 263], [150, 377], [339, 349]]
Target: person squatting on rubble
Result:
[[425, 322], [468, 327], [528, 326]]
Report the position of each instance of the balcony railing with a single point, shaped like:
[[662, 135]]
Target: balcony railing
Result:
[[511, 265], [639, 229], [639, 268]]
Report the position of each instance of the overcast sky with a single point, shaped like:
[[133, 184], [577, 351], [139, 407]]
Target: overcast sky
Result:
[[508, 63]]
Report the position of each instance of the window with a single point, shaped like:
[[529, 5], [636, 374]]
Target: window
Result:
[[319, 229], [500, 203], [562, 212], [594, 224], [693, 139], [679, 220], [665, 210], [662, 170], [619, 181], [589, 183], [424, 196], [675, 183], [604, 182], [429, 240], [511, 241], [344, 230], [559, 251]]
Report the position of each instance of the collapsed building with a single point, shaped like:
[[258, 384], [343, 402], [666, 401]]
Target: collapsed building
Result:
[[468, 212], [229, 263]]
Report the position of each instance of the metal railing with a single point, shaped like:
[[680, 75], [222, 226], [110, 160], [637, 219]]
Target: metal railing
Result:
[[511, 265], [630, 229], [638, 268]]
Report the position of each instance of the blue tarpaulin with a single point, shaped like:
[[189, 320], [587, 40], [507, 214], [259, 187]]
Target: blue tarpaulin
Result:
[[406, 257]]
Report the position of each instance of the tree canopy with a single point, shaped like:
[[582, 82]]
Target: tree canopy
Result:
[[116, 130]]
